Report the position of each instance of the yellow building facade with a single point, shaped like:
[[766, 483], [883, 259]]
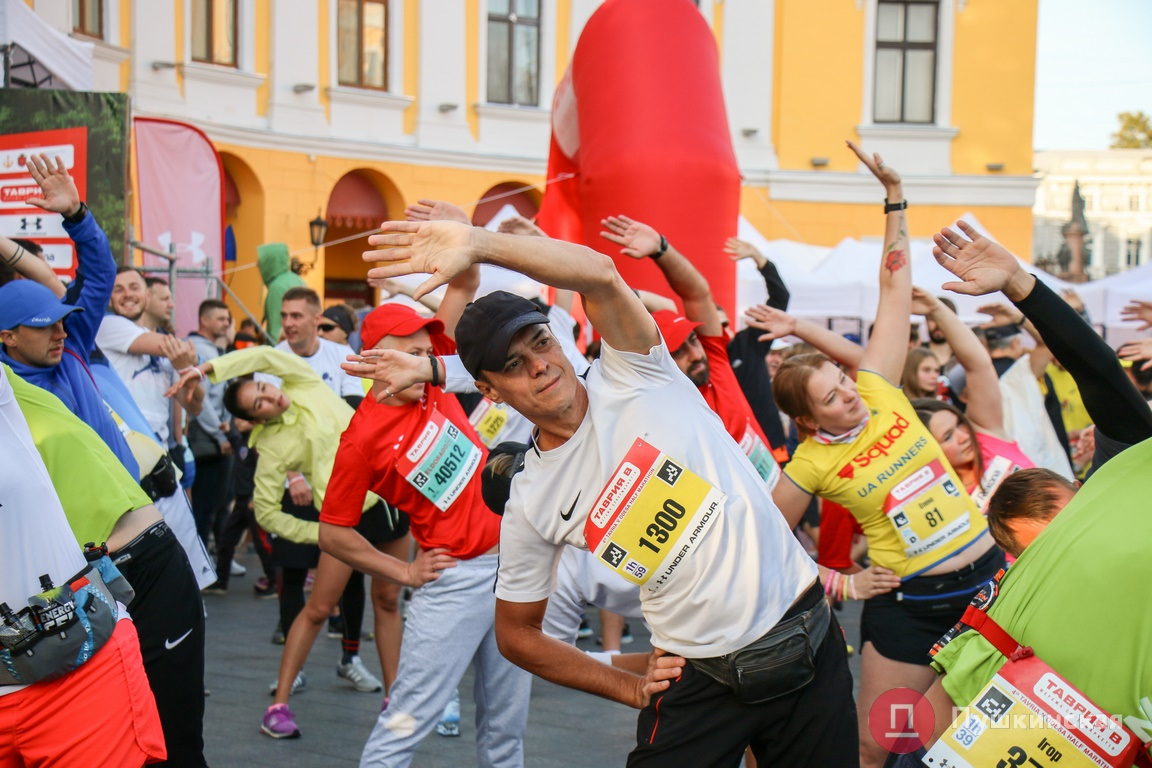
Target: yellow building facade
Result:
[[355, 108]]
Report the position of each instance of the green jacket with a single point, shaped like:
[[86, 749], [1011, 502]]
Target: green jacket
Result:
[[276, 272], [303, 439]]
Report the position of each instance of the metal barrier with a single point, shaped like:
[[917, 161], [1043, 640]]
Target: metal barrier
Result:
[[216, 284]]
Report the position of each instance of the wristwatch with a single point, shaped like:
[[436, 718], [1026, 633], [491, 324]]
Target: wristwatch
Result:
[[78, 217], [661, 251], [893, 207]]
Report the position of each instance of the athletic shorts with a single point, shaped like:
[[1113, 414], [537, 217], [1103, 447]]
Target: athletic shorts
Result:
[[905, 623], [291, 554], [101, 713]]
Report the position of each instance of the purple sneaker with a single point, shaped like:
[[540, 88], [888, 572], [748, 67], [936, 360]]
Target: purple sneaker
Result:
[[280, 723]]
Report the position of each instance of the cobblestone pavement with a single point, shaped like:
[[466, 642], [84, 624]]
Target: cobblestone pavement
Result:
[[566, 729]]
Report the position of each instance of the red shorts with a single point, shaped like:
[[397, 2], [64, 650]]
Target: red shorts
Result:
[[102, 713]]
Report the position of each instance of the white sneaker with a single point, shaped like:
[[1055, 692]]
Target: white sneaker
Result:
[[449, 724], [298, 685], [237, 569], [356, 673]]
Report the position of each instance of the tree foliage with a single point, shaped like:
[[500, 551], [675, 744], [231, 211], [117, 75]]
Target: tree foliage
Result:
[[1135, 131]]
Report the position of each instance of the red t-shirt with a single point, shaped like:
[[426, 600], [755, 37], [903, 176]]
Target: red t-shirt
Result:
[[723, 393], [423, 458], [837, 529]]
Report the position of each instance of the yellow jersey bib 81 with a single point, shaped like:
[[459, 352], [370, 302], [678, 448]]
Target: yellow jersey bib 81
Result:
[[896, 482]]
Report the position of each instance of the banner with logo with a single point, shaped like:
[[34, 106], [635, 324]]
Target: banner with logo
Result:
[[181, 182], [89, 133]]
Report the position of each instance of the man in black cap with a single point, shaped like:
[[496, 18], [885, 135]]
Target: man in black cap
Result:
[[631, 463]]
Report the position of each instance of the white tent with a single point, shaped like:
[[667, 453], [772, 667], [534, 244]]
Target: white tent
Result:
[[845, 281], [1106, 297], [39, 55]]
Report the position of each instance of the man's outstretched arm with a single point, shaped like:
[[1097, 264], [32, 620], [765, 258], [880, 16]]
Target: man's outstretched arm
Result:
[[443, 250]]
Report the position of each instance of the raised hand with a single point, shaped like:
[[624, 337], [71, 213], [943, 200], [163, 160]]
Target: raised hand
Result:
[[1002, 314], [923, 302], [60, 194], [436, 210], [390, 370], [188, 381], [1073, 299], [738, 249], [518, 225], [662, 670], [427, 565], [884, 173], [982, 265], [637, 238], [1138, 312], [1139, 349], [773, 322], [441, 249]]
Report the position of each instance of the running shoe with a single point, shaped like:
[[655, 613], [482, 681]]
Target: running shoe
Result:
[[356, 673], [449, 724], [336, 627], [237, 569], [626, 635], [264, 589], [280, 723], [278, 636], [214, 589], [585, 631], [298, 685]]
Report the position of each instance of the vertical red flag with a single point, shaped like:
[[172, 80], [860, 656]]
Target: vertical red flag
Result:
[[181, 184]]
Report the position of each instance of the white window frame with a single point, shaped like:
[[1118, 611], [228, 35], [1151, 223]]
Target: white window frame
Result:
[[395, 53], [945, 46], [547, 73]]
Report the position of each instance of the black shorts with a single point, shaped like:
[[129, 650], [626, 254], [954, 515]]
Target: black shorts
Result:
[[291, 554], [383, 523], [904, 624], [700, 722]]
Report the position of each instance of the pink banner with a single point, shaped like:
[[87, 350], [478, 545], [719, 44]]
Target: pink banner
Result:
[[181, 184]]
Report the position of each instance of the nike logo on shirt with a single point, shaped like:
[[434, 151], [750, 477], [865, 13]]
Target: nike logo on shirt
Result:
[[170, 644], [568, 516]]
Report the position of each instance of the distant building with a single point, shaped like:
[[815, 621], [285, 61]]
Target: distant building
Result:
[[357, 107], [1117, 188]]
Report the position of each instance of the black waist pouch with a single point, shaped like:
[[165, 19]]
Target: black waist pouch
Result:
[[779, 663]]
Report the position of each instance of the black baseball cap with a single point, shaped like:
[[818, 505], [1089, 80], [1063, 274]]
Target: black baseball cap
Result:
[[496, 487], [487, 327]]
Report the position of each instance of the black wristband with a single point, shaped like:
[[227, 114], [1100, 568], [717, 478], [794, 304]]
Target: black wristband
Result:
[[435, 370], [893, 207], [78, 217], [663, 249]]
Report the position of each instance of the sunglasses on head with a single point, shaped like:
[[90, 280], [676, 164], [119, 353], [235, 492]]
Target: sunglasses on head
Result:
[[328, 328]]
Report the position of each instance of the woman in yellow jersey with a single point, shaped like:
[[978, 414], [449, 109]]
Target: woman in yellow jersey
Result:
[[865, 448]]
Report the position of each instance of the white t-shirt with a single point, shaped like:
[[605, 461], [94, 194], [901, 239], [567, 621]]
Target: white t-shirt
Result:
[[744, 568], [326, 363], [35, 532], [146, 376]]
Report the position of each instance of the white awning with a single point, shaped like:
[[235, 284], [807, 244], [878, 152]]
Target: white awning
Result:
[[41, 56]]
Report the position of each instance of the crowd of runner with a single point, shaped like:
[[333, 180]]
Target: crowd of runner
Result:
[[483, 473]]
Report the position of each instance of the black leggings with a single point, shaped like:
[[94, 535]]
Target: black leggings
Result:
[[351, 602]]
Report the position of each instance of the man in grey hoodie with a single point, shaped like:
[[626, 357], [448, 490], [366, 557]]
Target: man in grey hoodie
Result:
[[207, 433]]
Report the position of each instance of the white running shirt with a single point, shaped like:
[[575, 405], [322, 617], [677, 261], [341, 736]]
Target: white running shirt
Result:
[[745, 570]]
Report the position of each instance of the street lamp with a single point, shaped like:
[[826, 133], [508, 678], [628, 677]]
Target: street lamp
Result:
[[317, 231]]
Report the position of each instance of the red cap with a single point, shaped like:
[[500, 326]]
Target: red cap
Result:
[[395, 319], [674, 328]]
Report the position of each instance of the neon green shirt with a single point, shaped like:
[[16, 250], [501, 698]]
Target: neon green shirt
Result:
[[303, 439], [94, 488], [1076, 595]]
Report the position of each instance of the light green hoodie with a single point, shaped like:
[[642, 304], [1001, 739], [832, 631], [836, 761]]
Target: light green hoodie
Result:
[[276, 272]]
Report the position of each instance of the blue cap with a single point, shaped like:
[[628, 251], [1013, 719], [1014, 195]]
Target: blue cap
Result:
[[26, 302]]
